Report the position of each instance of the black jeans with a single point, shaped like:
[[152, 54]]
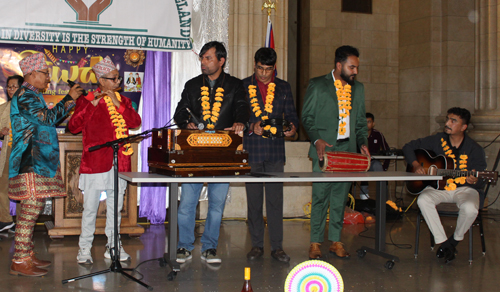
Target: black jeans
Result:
[[274, 206]]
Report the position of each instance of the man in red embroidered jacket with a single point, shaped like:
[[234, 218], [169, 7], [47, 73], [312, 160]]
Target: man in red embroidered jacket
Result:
[[103, 119]]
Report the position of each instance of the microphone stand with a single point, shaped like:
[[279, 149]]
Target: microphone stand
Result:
[[115, 251]]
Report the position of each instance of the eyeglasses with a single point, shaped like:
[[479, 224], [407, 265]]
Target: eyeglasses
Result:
[[115, 79], [12, 87], [47, 74], [267, 69]]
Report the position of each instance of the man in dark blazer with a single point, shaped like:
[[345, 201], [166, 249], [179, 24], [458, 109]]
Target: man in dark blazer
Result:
[[216, 100], [272, 102], [334, 125]]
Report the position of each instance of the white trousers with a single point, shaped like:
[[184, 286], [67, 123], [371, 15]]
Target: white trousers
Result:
[[467, 200], [92, 185]]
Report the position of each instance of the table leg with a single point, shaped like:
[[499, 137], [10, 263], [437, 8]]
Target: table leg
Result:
[[380, 228], [380, 216], [171, 255]]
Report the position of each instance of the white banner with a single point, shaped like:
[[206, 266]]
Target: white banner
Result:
[[162, 25]]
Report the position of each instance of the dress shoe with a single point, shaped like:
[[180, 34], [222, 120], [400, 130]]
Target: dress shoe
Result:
[[39, 263], [26, 268], [449, 253], [280, 255], [255, 253], [337, 248], [440, 253], [315, 251]]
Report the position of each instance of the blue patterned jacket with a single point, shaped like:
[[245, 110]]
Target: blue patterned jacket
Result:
[[35, 147], [272, 150]]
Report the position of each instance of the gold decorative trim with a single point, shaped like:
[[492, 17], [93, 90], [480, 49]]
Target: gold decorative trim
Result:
[[159, 164], [209, 140], [198, 169]]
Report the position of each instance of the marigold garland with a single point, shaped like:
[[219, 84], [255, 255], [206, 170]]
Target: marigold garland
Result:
[[211, 116], [451, 183], [10, 136], [268, 106], [393, 205], [118, 122], [344, 102]]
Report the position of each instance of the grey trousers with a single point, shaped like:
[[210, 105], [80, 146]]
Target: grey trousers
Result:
[[467, 200], [92, 185]]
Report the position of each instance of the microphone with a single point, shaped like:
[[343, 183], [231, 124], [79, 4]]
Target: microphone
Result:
[[84, 92], [201, 126]]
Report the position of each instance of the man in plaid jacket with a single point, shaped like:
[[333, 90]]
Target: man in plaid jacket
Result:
[[272, 103]]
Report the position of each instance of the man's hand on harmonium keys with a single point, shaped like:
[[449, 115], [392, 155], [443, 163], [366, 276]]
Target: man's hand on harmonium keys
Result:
[[192, 126], [237, 128]]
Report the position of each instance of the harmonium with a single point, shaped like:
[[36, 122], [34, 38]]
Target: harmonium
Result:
[[186, 153]]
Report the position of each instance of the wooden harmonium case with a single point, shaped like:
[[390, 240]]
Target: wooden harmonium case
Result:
[[186, 153]]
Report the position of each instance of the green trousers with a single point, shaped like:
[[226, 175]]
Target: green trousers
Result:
[[324, 196]]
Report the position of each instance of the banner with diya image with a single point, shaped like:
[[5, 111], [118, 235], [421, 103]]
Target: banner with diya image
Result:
[[74, 64]]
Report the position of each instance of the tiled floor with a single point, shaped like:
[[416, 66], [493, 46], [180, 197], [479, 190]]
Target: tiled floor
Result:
[[359, 274]]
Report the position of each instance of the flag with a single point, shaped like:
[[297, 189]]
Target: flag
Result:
[[270, 38], [269, 34]]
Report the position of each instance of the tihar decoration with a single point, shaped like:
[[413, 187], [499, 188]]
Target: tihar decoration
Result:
[[211, 116], [10, 136], [314, 276], [268, 106], [344, 102], [134, 58], [451, 183], [118, 122]]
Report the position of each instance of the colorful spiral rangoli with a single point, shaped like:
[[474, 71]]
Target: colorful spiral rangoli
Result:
[[314, 276]]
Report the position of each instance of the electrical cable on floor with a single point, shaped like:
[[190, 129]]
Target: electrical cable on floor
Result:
[[136, 271]]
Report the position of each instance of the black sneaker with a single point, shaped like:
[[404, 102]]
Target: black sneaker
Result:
[[183, 255], [210, 256], [13, 229], [6, 225]]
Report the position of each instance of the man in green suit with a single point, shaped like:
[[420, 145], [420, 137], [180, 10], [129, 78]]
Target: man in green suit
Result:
[[334, 118]]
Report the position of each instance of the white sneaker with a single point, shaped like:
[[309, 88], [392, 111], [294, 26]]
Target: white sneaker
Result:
[[364, 196], [124, 256], [84, 256]]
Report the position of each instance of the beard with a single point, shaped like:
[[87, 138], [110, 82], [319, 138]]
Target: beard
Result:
[[349, 79]]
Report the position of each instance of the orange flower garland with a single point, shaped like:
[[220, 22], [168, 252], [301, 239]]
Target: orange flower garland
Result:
[[268, 107], [451, 184], [211, 116], [393, 205], [10, 136], [344, 102], [118, 122]]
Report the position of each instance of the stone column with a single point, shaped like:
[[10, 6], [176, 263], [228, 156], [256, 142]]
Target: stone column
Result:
[[486, 118], [247, 33], [487, 114]]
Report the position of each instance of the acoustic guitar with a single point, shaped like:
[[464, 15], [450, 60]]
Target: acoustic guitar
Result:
[[444, 166]]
